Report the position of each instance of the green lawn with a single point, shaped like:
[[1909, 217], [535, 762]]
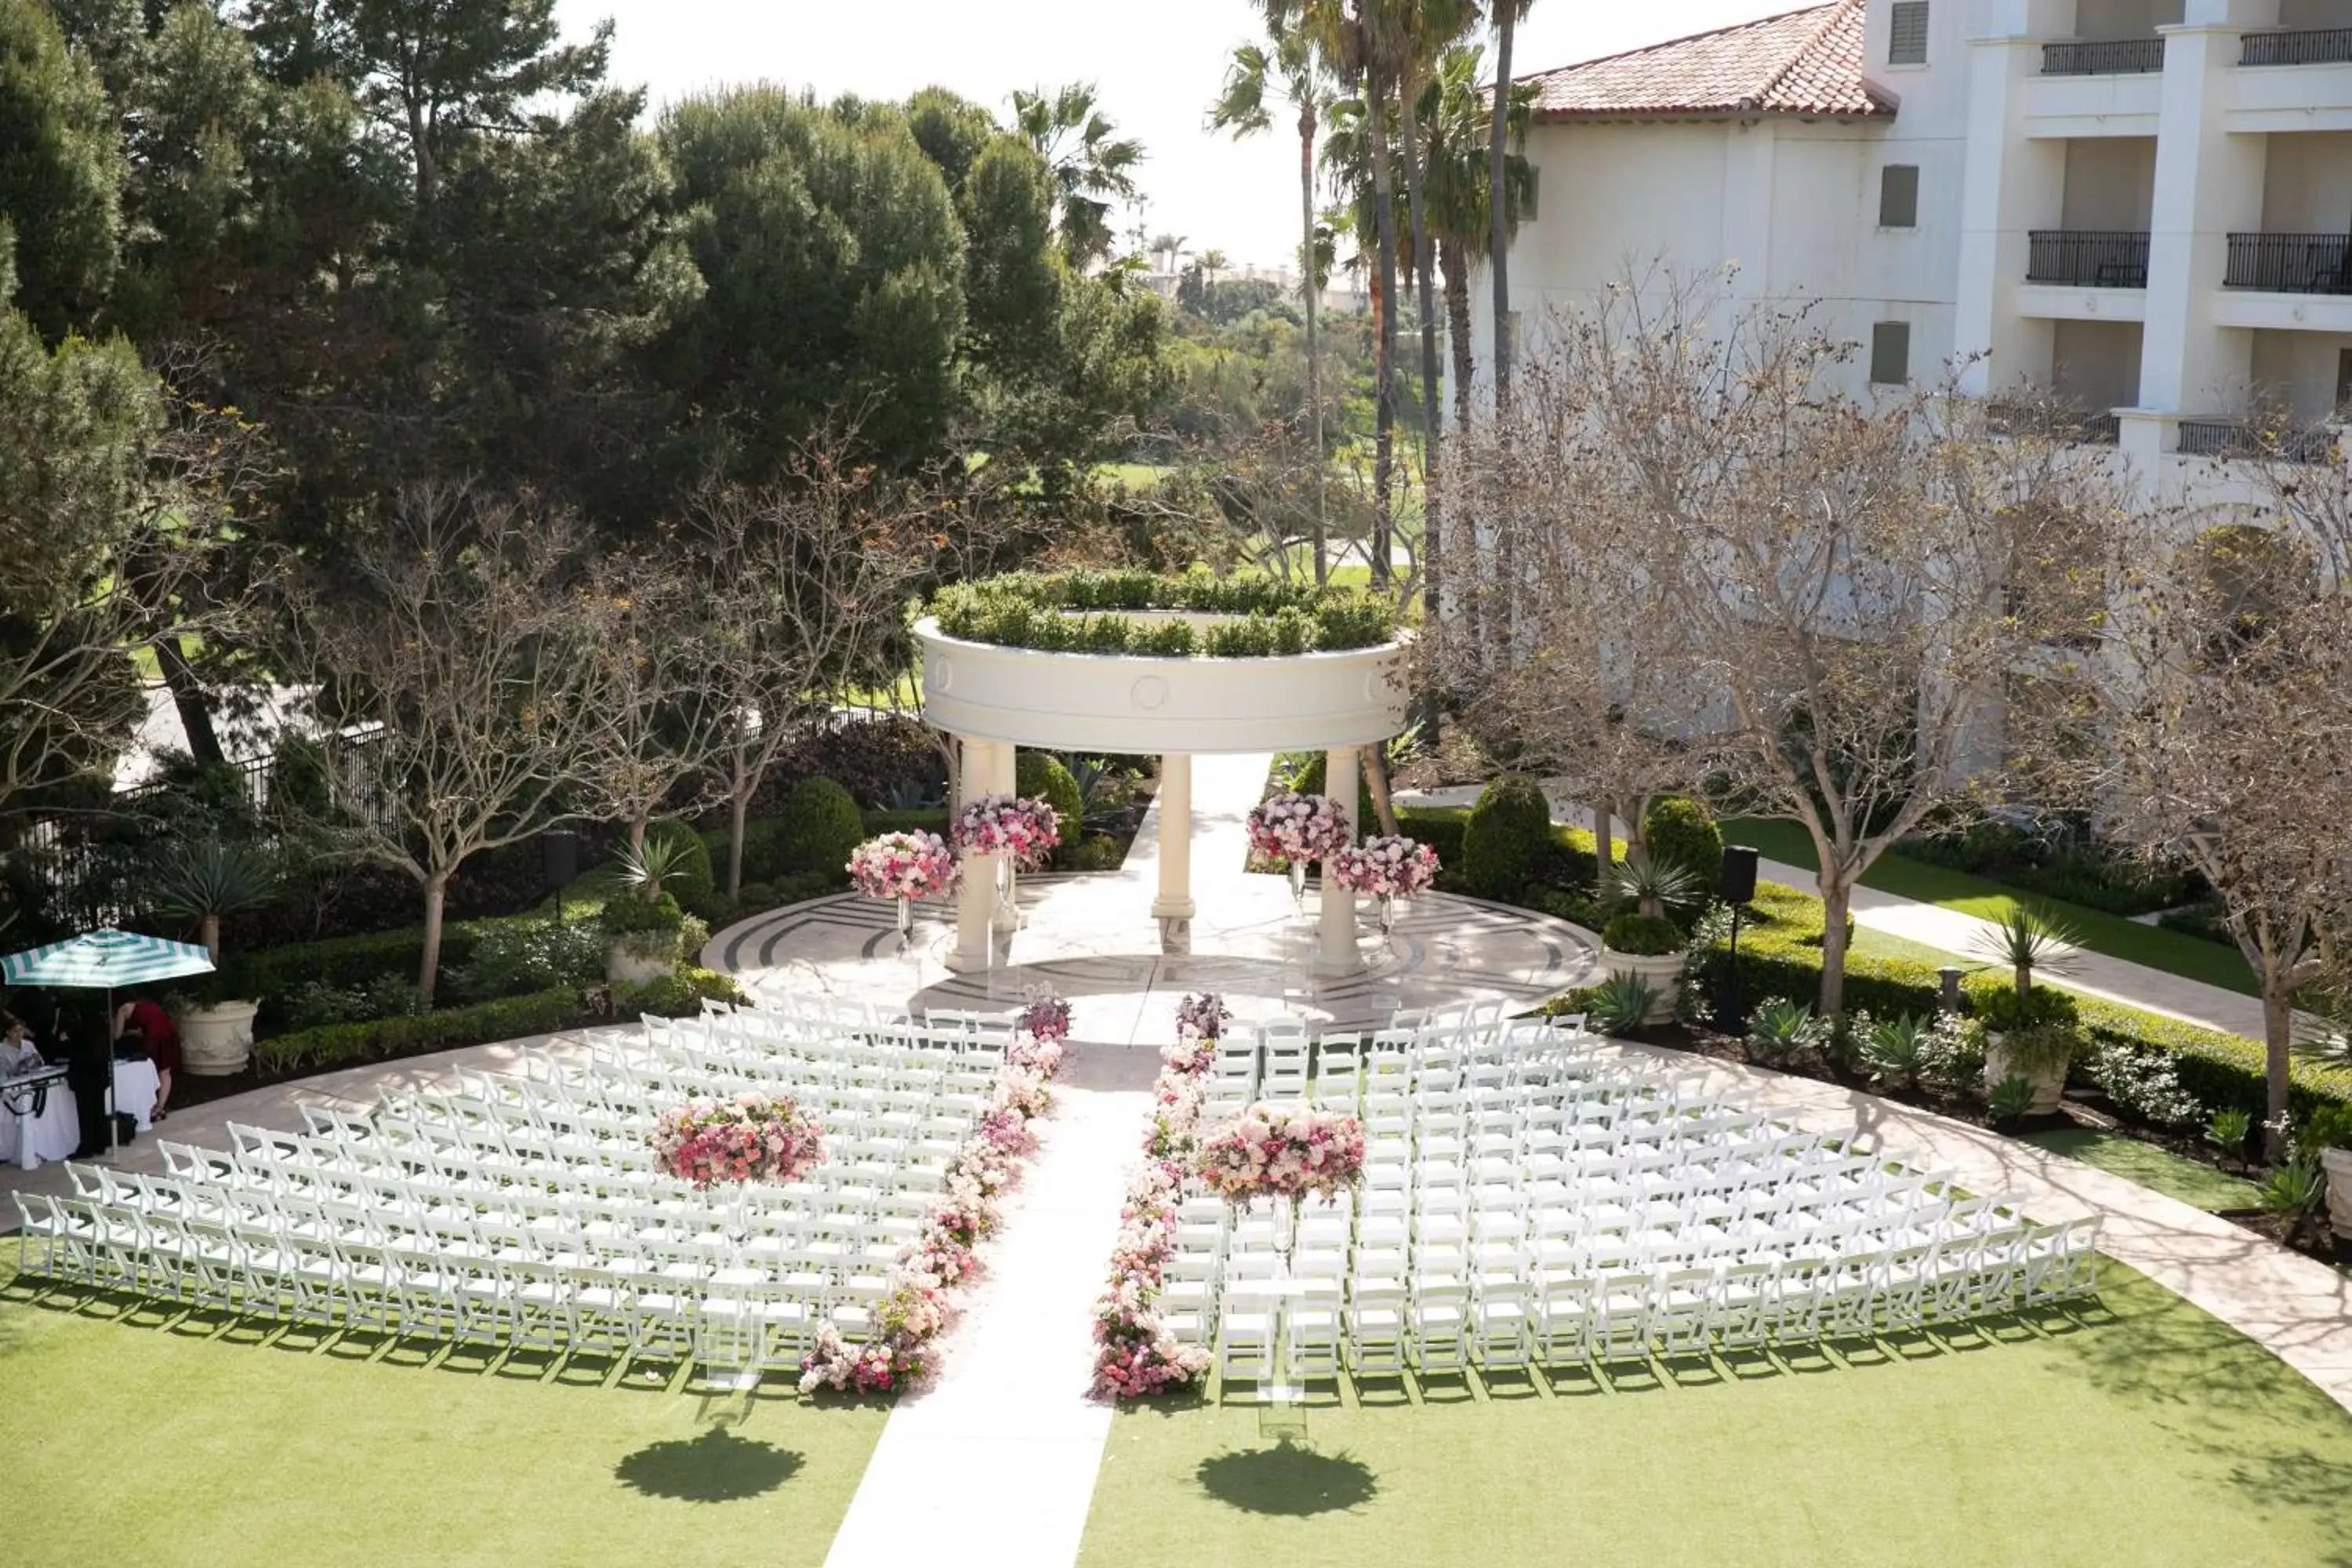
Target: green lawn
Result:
[[2189, 956], [2144, 1433], [167, 1446], [2152, 1167]]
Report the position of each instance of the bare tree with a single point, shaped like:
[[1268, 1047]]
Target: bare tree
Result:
[[1837, 591], [2211, 726], [807, 587], [663, 715], [453, 643]]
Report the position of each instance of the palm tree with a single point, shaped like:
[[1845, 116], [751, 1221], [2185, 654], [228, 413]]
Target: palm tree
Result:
[[1089, 165], [1212, 263], [1167, 247], [1508, 15], [1342, 32], [1242, 109], [1454, 117]]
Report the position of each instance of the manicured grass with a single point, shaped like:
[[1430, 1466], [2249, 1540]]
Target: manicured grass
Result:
[[1134, 476], [2157, 1169], [2143, 1433], [2153, 946], [170, 1446]]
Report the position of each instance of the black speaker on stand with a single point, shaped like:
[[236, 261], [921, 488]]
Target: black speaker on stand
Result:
[[559, 863], [1737, 888]]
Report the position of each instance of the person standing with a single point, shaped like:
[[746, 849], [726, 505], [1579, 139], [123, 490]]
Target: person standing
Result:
[[151, 1024]]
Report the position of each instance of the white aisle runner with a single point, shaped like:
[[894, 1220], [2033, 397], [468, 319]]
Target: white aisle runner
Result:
[[996, 1463]]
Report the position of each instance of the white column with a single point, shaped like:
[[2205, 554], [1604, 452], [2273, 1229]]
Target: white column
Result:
[[1335, 950], [2010, 184], [1175, 899], [2208, 181], [975, 895]]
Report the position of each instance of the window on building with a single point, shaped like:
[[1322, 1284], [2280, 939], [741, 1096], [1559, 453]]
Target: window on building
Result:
[[1898, 197], [2344, 381], [1533, 194], [1890, 354], [1907, 32]]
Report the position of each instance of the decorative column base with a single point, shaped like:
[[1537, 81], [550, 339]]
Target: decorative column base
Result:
[[1336, 952]]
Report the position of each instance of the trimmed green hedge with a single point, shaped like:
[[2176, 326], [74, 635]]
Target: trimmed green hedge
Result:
[[820, 826], [1080, 611], [921, 819], [1781, 954], [270, 976], [1507, 838], [511, 1017]]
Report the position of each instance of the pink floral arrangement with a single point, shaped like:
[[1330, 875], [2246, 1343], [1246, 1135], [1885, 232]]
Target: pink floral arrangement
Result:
[[1202, 1017], [1039, 1030], [1008, 825], [1390, 865], [1295, 828], [1284, 1151], [903, 866], [749, 1138], [944, 1255], [1134, 1354]]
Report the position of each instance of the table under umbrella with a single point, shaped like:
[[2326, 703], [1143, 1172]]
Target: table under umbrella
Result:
[[104, 961]]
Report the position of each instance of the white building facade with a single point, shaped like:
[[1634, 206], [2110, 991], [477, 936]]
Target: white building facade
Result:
[[2144, 206]]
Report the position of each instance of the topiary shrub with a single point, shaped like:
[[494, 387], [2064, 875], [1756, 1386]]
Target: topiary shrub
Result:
[[1642, 936], [1042, 774], [1311, 778], [1507, 838], [1683, 832], [821, 825]]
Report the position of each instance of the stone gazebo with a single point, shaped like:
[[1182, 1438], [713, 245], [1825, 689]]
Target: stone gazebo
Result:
[[994, 698]]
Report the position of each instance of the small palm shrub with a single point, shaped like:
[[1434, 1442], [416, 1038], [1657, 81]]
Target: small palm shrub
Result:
[[1658, 884], [2028, 938], [2229, 1129]]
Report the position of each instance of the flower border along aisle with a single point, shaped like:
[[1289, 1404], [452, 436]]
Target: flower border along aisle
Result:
[[1135, 1354], [915, 1312]]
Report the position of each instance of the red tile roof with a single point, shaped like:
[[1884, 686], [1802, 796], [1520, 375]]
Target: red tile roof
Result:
[[1805, 63]]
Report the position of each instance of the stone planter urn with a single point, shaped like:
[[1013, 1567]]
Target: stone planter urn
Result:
[[1661, 971], [2338, 1163], [641, 957], [218, 1040], [2049, 1081]]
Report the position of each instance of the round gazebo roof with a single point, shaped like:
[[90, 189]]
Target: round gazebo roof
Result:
[[1199, 704]]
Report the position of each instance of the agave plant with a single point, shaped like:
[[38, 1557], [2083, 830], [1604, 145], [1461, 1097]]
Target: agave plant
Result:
[[2295, 1188], [1657, 883], [2030, 937], [1620, 1003], [1780, 1028], [645, 866], [1895, 1049], [201, 880], [2010, 1098]]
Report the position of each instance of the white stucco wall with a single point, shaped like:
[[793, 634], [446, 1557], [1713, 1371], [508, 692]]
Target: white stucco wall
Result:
[[2308, 183]]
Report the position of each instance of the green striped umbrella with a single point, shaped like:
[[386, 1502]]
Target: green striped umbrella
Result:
[[100, 960]]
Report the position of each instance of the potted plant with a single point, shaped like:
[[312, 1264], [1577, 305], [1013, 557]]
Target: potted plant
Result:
[[198, 882], [2039, 1053], [647, 933], [2328, 1134], [1648, 948]]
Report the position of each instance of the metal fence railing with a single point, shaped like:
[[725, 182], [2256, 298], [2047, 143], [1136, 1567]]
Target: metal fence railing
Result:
[[2103, 258], [2301, 47], [2291, 263], [2102, 56]]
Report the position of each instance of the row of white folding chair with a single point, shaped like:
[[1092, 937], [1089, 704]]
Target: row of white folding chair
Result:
[[850, 1139], [930, 1071], [845, 1107]]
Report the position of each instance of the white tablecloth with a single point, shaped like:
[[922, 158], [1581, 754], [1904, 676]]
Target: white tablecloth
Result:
[[54, 1134], [136, 1086]]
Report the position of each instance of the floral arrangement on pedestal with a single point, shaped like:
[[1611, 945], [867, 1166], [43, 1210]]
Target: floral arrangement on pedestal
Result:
[[1387, 867], [747, 1138], [905, 866], [1292, 829], [897, 1348], [1134, 1354], [1039, 1030], [1024, 829], [1282, 1151]]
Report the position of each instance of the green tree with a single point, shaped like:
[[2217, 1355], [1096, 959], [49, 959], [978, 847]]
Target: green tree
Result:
[[60, 172], [833, 259], [1289, 73], [1508, 15], [1091, 165], [952, 132], [436, 72], [1453, 118]]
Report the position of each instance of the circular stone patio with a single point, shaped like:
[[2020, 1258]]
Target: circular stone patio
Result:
[[1089, 938]]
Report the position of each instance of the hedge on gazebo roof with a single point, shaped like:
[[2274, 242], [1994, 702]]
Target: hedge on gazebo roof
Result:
[[1091, 612]]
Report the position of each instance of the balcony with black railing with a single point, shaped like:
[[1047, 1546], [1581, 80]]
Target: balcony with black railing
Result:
[[2102, 56], [2237, 438], [2096, 257], [2303, 47], [2290, 263], [2056, 421]]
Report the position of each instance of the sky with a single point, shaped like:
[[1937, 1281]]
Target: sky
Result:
[[1156, 67]]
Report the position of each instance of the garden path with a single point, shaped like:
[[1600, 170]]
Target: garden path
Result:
[[1952, 931]]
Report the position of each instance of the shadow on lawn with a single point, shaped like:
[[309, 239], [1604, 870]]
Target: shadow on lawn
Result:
[[716, 1466], [1289, 1481]]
